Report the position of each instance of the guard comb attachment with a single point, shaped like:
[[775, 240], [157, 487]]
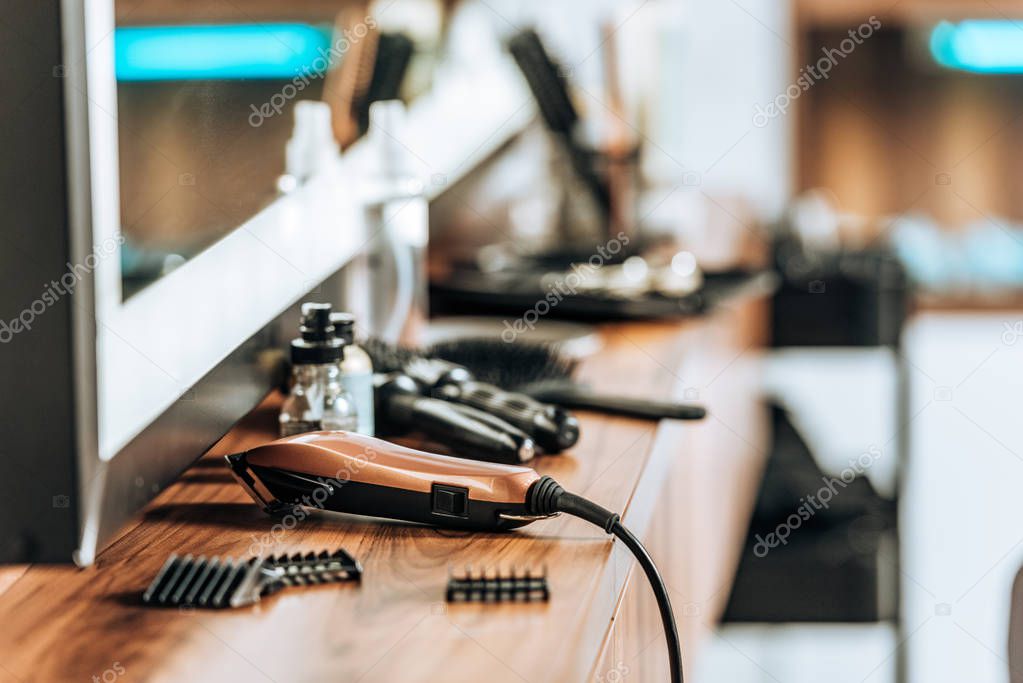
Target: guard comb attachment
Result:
[[493, 585], [229, 582], [202, 582], [316, 568]]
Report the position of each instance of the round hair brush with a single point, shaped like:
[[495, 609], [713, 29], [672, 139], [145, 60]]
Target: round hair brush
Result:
[[540, 371]]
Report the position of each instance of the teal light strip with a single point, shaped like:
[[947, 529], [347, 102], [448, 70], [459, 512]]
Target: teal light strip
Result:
[[979, 45], [256, 51]]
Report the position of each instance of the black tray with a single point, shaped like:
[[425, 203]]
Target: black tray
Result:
[[514, 293]]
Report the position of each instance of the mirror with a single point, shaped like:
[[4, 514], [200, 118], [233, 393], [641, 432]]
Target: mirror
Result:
[[206, 96]]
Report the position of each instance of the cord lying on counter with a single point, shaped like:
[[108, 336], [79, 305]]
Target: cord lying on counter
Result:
[[356, 474], [546, 496]]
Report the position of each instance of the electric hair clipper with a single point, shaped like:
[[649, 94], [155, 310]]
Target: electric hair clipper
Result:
[[348, 472], [361, 475]]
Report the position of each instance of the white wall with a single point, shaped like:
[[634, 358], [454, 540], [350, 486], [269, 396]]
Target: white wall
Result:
[[963, 521], [738, 57], [694, 71]]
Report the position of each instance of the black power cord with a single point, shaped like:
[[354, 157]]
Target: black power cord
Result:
[[546, 496]]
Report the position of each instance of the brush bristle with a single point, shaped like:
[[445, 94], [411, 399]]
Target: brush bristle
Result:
[[388, 357], [503, 364]]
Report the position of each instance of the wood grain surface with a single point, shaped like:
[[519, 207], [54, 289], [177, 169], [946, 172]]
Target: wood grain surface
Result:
[[687, 488]]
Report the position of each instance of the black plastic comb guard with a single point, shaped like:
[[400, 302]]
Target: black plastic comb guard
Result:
[[316, 568], [497, 586], [217, 583]]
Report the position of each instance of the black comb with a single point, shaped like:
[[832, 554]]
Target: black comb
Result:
[[496, 586], [228, 582]]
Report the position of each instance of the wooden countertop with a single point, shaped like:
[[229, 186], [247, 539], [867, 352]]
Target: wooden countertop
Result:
[[62, 623]]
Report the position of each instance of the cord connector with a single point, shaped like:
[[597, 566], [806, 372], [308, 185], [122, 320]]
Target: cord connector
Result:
[[546, 496]]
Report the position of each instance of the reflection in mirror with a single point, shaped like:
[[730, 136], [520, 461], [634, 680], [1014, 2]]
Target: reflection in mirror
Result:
[[208, 129]]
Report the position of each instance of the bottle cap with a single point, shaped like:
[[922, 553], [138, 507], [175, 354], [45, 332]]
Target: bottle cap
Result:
[[318, 344], [344, 326], [316, 324]]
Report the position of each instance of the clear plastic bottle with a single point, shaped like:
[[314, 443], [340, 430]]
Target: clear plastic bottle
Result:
[[340, 411], [318, 399], [356, 371]]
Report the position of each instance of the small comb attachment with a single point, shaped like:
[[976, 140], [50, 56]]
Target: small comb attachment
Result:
[[201, 582], [316, 568], [483, 585], [229, 582]]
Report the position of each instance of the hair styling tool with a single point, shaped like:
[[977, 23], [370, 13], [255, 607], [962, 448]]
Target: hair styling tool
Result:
[[400, 409], [372, 70], [361, 475], [393, 54], [550, 427], [538, 370], [550, 89], [200, 582], [485, 586], [347, 85]]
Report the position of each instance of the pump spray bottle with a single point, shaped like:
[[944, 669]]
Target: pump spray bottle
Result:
[[318, 399]]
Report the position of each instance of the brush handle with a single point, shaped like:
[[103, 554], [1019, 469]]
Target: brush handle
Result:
[[481, 437], [570, 397], [552, 428], [465, 434]]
